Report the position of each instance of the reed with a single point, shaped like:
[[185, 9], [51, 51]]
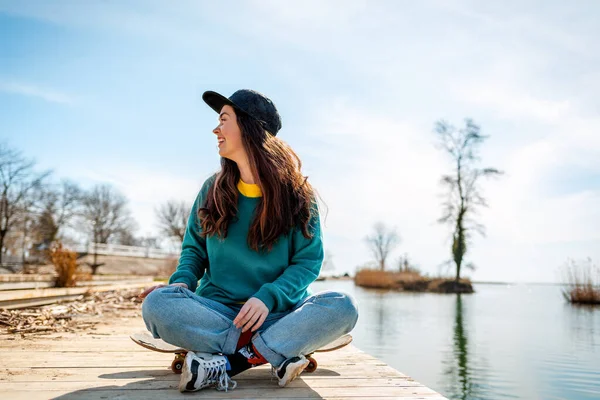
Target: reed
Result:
[[374, 278], [409, 281], [65, 265], [583, 282]]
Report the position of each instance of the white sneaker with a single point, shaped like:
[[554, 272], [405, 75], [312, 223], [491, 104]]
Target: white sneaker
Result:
[[201, 370], [290, 369]]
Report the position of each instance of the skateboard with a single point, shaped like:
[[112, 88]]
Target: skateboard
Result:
[[146, 340]]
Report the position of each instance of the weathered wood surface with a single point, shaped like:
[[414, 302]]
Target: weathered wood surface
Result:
[[51, 277], [12, 299], [21, 281], [106, 364]]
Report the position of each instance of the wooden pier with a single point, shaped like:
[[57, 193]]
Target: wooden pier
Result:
[[106, 364]]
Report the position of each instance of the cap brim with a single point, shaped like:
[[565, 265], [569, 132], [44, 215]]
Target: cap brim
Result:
[[216, 101]]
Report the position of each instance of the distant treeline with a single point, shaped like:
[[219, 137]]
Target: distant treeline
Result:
[[36, 210]]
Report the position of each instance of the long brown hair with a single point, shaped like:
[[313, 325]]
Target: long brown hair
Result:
[[288, 199]]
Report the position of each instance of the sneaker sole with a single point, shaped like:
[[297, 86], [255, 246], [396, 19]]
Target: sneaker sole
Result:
[[186, 374], [295, 373]]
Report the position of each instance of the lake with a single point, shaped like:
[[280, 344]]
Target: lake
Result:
[[502, 342]]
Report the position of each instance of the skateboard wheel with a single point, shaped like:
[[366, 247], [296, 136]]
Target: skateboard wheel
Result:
[[177, 366], [312, 365]]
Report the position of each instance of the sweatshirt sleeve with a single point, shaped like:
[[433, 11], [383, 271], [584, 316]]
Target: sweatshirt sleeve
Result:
[[304, 268], [194, 258]]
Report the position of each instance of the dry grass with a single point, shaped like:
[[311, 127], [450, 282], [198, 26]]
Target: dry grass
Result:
[[410, 281], [584, 282], [65, 265], [384, 279]]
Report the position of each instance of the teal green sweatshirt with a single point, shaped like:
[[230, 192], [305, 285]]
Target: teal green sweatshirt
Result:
[[230, 272]]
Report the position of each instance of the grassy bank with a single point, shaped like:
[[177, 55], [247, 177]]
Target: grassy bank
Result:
[[583, 281], [410, 281]]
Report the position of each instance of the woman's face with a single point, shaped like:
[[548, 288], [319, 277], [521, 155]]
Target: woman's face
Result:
[[229, 135]]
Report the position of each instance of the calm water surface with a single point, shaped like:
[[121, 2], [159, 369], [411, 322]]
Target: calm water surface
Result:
[[503, 342]]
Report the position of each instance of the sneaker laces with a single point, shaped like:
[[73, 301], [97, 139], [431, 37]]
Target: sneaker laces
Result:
[[225, 381], [216, 373]]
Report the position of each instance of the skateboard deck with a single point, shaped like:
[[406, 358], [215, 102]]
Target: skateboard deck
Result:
[[338, 343], [146, 340]]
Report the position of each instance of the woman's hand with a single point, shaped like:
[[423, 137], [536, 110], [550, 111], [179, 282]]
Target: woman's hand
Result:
[[149, 290], [252, 315]]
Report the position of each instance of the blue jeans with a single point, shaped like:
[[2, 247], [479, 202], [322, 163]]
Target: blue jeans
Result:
[[184, 319]]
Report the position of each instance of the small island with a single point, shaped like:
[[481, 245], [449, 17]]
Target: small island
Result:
[[410, 281]]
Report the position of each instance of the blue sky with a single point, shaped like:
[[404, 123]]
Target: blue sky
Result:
[[107, 91]]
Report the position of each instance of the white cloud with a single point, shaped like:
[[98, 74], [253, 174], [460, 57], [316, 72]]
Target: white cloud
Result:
[[510, 102], [45, 94], [525, 212]]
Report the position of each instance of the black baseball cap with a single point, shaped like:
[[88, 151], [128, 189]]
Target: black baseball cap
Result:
[[252, 103]]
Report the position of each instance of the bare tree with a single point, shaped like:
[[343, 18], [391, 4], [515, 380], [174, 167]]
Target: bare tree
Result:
[[382, 242], [172, 218], [405, 264], [149, 242], [29, 210], [105, 213], [126, 237], [17, 180], [462, 184], [60, 204]]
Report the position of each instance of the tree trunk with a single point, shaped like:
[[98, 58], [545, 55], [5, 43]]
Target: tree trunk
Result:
[[2, 234], [459, 238], [95, 255], [95, 263], [458, 248], [24, 241]]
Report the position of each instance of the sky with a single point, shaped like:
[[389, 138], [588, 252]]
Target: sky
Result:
[[110, 92]]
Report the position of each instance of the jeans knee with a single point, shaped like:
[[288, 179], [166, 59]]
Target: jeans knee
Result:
[[149, 306], [350, 307], [345, 306], [156, 303]]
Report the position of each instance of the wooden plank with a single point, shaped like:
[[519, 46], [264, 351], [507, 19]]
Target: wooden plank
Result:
[[51, 277], [173, 379], [120, 392], [11, 299], [50, 284], [26, 277], [170, 394], [26, 285], [75, 360], [27, 294], [37, 301], [26, 348], [116, 372], [109, 350]]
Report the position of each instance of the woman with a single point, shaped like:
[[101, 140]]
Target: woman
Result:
[[253, 240]]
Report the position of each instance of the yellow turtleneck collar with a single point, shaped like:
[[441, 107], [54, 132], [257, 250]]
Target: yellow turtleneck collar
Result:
[[249, 189]]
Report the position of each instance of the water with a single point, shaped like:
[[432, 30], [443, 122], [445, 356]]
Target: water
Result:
[[503, 342]]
